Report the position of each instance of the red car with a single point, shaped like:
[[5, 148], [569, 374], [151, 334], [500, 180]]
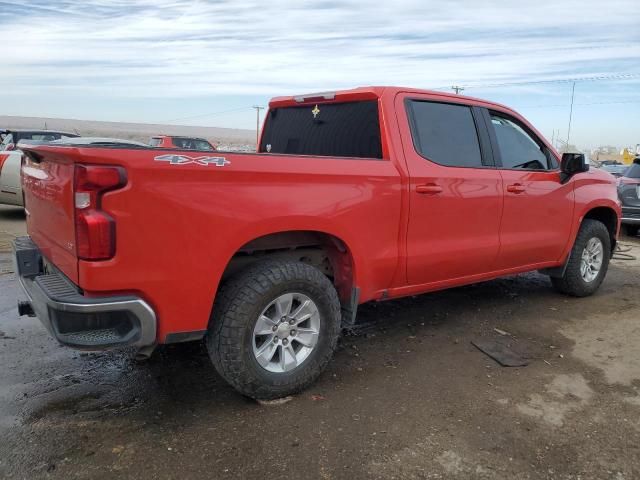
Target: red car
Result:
[[354, 196], [181, 143]]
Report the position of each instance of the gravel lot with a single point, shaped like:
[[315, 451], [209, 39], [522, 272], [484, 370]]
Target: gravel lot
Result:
[[407, 395]]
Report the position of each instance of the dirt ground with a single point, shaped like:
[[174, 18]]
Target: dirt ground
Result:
[[407, 396]]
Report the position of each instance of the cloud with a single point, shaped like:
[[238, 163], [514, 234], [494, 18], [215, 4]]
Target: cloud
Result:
[[175, 48]]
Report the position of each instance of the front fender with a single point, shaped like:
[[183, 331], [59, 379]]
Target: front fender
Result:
[[593, 190]]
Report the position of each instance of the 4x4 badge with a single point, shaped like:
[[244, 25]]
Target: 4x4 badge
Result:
[[185, 159]]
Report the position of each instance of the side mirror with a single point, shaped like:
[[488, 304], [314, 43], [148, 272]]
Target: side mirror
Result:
[[571, 164]]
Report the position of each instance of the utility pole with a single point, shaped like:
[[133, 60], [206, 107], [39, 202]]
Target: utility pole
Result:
[[457, 89], [573, 91], [258, 108]]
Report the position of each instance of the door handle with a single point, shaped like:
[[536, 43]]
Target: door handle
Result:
[[429, 189], [516, 188]]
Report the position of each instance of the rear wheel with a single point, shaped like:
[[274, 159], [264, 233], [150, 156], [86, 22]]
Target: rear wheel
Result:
[[274, 328], [588, 262], [632, 230]]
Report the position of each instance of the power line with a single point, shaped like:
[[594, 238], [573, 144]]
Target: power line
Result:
[[573, 92], [620, 76], [213, 114], [579, 104]]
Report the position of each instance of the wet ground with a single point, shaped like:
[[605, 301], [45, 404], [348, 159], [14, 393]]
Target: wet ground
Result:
[[406, 397]]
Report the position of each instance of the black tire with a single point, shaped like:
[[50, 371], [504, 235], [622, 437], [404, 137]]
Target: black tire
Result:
[[632, 230], [572, 283], [238, 305]]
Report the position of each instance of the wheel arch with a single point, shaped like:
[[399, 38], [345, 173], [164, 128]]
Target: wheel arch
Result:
[[608, 217], [325, 251]]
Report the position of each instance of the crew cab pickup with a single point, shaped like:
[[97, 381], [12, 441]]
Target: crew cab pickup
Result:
[[353, 196]]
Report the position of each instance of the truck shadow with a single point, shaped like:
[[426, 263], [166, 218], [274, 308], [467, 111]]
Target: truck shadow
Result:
[[180, 379], [10, 213]]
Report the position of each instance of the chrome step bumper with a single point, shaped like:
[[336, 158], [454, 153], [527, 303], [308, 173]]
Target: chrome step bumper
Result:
[[75, 320]]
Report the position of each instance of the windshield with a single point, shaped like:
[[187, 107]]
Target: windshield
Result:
[[6, 141], [633, 171], [42, 136]]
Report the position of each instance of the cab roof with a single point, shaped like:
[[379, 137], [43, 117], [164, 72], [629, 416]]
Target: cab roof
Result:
[[370, 93]]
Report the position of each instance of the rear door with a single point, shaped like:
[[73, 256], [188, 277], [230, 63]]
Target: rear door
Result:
[[455, 191], [538, 208]]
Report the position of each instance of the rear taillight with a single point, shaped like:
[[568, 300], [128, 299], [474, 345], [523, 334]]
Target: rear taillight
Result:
[[95, 229]]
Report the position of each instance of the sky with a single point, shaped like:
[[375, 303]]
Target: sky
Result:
[[207, 62]]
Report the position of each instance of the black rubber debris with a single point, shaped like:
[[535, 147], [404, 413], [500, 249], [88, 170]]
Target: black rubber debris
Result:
[[500, 353]]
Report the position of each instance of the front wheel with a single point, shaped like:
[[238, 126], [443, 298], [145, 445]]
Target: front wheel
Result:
[[588, 261], [274, 328]]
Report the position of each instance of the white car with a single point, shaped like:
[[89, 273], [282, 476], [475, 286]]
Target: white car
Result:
[[11, 158]]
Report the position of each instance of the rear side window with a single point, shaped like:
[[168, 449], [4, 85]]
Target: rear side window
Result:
[[445, 133], [349, 129]]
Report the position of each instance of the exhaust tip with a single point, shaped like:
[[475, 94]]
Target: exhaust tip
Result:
[[25, 309]]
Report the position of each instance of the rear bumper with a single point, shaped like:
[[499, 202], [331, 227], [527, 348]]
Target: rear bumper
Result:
[[76, 320], [631, 216]]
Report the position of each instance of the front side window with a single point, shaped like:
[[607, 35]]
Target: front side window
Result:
[[518, 149], [445, 133]]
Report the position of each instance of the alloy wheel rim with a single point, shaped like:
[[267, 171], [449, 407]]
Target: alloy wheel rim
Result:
[[286, 332], [591, 261]]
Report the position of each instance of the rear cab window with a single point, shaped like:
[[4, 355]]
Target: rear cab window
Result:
[[340, 129]]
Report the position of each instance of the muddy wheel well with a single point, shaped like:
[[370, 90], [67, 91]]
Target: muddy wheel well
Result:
[[326, 252], [609, 218]]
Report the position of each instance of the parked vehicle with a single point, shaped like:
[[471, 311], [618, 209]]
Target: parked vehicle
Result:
[[182, 143], [99, 142], [605, 163], [10, 157], [354, 196], [629, 193], [616, 170]]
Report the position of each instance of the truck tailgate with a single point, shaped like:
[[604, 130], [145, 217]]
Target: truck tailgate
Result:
[[48, 190]]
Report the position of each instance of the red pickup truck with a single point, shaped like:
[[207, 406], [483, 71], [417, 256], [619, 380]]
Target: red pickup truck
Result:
[[181, 143], [353, 196]]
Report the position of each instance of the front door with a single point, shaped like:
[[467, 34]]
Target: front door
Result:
[[538, 208], [455, 193]]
